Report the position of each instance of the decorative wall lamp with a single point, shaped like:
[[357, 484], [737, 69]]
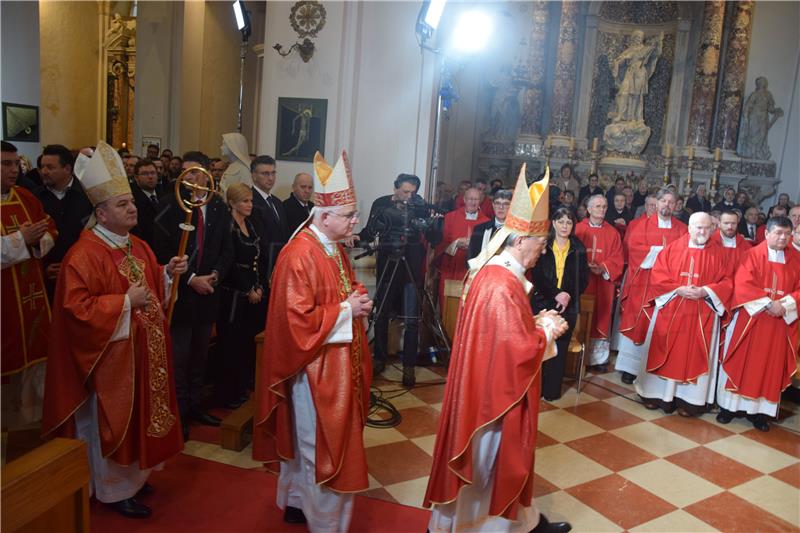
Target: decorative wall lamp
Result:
[[307, 18]]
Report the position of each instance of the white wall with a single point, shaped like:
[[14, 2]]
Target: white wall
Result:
[[379, 88], [19, 73], [775, 54]]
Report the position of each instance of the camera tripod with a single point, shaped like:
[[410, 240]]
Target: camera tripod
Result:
[[434, 324]]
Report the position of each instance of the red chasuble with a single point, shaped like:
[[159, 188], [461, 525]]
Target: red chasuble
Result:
[[494, 376], [456, 226], [761, 357], [634, 312], [603, 248], [136, 404], [25, 309], [682, 335], [307, 289], [735, 255]]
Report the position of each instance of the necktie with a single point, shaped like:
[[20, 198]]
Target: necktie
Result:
[[274, 209], [154, 200], [200, 237], [752, 231]]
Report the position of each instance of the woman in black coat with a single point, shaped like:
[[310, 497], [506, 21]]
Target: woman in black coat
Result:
[[565, 296]]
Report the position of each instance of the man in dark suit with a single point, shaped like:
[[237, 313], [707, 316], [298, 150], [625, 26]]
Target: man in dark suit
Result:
[[591, 189], [482, 233], [268, 210], [146, 194], [299, 205], [64, 199], [210, 252]]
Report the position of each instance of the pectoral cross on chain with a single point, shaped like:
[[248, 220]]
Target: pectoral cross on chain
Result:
[[32, 296], [691, 274], [594, 249], [774, 290]]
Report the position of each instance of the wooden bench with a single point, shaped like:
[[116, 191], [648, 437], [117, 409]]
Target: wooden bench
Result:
[[237, 427], [47, 489]]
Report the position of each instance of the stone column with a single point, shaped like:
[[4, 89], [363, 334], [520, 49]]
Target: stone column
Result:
[[532, 101], [734, 71], [706, 70], [564, 77]]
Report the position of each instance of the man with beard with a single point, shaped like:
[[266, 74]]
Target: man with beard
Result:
[[734, 245]]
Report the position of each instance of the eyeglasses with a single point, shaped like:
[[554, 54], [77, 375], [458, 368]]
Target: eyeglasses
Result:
[[347, 216]]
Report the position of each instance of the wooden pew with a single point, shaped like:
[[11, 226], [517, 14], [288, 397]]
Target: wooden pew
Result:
[[47, 489], [237, 427]]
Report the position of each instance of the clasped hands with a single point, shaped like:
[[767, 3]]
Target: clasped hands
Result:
[[560, 325], [690, 292], [32, 232], [776, 309], [360, 304], [139, 294]]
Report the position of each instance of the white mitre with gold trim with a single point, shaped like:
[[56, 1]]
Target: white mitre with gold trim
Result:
[[102, 175]]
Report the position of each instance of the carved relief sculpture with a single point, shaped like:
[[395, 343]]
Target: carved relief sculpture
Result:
[[504, 113], [760, 115], [632, 70]]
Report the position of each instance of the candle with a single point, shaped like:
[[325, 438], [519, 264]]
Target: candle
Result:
[[571, 144], [549, 142], [595, 144], [668, 151], [717, 155], [691, 152]]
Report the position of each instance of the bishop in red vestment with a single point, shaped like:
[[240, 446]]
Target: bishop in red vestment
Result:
[[28, 234], [109, 364], [691, 285], [312, 391], [482, 474], [606, 262], [760, 355], [643, 241], [457, 230]]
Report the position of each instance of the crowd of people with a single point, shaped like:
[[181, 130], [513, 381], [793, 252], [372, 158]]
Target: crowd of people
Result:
[[698, 298]]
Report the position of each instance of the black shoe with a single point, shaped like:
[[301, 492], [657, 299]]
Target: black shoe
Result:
[[627, 378], [724, 416], [146, 490], [409, 377], [206, 419], [130, 508], [545, 526], [293, 515], [759, 422], [378, 366]]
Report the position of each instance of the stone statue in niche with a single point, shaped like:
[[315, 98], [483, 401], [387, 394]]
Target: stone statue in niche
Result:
[[759, 115], [504, 112], [632, 70]]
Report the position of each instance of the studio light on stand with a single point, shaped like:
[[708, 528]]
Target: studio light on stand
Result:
[[469, 36], [243, 25]]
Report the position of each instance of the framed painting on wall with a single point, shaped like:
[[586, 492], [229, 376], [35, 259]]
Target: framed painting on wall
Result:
[[20, 122], [301, 128]]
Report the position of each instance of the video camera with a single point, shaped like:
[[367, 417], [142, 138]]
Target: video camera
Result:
[[401, 223]]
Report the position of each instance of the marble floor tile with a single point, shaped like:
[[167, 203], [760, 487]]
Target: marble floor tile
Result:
[[611, 451], [771, 494], [696, 429], [621, 501], [403, 400], [378, 436], [654, 439], [676, 521], [714, 467], [635, 408], [426, 443], [429, 393], [571, 397], [671, 482], [790, 475], [778, 438], [564, 467], [563, 426], [418, 421], [541, 486], [397, 462], [611, 382], [379, 493], [604, 415], [409, 492], [730, 513], [751, 453], [543, 440]]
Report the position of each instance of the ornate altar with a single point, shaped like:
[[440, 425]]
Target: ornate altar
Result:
[[627, 88], [119, 49]]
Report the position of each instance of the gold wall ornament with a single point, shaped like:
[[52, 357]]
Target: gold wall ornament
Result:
[[307, 18]]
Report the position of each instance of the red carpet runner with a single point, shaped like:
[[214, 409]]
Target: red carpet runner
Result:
[[196, 495]]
